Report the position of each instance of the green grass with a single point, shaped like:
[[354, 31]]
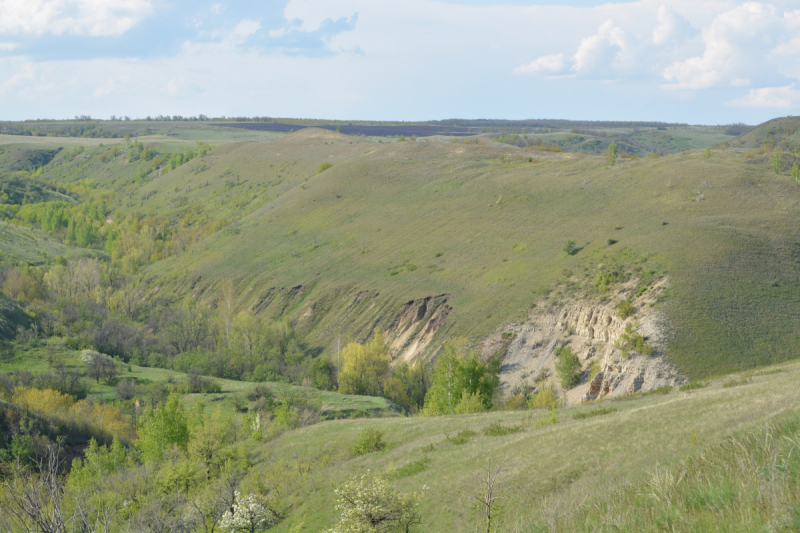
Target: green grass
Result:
[[561, 473], [334, 405]]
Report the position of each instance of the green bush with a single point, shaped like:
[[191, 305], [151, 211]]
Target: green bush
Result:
[[545, 399], [412, 468], [462, 437], [596, 412], [625, 309], [633, 341], [495, 429], [694, 385], [369, 440], [324, 166], [568, 367]]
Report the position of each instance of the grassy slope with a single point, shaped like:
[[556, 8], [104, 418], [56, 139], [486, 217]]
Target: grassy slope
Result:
[[553, 468], [499, 227]]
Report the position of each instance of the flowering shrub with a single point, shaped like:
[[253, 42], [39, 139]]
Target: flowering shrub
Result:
[[248, 515], [372, 505]]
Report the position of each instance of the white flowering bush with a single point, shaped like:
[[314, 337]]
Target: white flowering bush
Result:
[[369, 504], [247, 515]]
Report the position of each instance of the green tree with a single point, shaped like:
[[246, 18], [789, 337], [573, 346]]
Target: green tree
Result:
[[163, 428], [568, 367], [796, 173], [456, 375], [369, 504], [777, 161], [611, 156], [338, 129], [570, 248], [365, 367], [708, 153]]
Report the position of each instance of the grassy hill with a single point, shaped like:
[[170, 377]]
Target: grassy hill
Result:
[[475, 230], [485, 225], [568, 476]]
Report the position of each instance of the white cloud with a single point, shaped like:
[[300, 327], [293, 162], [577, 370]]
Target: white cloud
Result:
[[245, 29], [75, 17], [770, 97], [672, 27], [420, 60], [553, 64], [736, 45]]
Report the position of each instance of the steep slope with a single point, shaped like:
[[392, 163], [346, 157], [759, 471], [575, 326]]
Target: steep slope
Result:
[[481, 230]]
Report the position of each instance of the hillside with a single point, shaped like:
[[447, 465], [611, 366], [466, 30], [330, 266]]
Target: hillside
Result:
[[480, 229], [434, 240]]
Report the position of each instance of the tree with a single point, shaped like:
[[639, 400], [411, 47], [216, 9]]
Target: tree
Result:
[[247, 514], [369, 504], [707, 153], [99, 366], [568, 367], [777, 161], [489, 489], [570, 248], [365, 367], [162, 428], [456, 377], [611, 157], [225, 306]]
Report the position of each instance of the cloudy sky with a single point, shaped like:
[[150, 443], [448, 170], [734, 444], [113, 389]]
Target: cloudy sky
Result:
[[696, 61]]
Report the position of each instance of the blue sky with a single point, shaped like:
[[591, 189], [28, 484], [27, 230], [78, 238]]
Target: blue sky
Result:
[[696, 61]]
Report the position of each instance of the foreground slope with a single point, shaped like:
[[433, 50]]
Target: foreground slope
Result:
[[468, 238], [558, 472]]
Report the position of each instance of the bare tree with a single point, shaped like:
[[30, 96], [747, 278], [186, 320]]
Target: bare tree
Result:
[[490, 487], [226, 303], [32, 502]]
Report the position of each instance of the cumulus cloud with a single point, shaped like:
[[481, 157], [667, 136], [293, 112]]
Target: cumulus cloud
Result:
[[736, 45], [72, 17], [672, 27], [769, 97], [553, 64]]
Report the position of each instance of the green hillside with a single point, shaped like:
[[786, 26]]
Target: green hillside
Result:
[[485, 225]]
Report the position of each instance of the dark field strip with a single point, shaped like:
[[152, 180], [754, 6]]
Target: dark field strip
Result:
[[372, 131]]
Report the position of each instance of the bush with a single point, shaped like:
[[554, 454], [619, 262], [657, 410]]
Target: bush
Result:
[[495, 429], [625, 309], [462, 437], [568, 367], [369, 440], [633, 341], [544, 400], [694, 385], [470, 403], [323, 167], [595, 412]]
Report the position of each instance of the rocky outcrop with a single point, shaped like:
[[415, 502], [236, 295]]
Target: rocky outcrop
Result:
[[591, 329], [415, 326]]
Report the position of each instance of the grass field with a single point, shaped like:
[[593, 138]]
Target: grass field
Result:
[[558, 472]]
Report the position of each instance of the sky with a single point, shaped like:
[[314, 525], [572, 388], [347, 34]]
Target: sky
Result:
[[693, 61]]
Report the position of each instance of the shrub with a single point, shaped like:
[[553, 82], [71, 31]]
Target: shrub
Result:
[[594, 369], [462, 437], [544, 400], [495, 429], [568, 367], [324, 166], [470, 403], [570, 248], [369, 440], [596, 412], [414, 467], [633, 341], [625, 309], [694, 385]]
